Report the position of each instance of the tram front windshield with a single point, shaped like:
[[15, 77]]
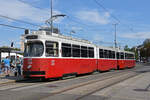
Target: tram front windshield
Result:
[[34, 49]]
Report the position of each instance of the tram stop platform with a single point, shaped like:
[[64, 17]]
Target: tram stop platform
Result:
[[10, 79]]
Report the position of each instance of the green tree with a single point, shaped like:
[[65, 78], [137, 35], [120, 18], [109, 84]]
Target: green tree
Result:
[[126, 48], [144, 51]]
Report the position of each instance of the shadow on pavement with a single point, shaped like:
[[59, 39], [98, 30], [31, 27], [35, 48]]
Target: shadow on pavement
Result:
[[143, 90], [143, 71]]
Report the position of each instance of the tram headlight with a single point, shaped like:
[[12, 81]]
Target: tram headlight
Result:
[[29, 66]]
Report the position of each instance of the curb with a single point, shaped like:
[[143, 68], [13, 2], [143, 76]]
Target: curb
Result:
[[11, 81], [6, 82]]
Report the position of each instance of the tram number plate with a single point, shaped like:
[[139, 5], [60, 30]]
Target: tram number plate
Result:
[[52, 62]]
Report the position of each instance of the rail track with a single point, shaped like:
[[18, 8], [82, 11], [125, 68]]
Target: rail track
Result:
[[86, 88], [83, 89], [29, 82]]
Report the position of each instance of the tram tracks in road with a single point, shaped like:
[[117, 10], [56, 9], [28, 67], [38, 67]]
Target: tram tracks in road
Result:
[[23, 83], [84, 87], [28, 84], [107, 83], [36, 83]]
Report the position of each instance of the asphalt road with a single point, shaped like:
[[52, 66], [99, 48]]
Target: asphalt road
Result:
[[80, 88]]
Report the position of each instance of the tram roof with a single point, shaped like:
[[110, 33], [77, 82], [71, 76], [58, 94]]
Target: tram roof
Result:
[[48, 35]]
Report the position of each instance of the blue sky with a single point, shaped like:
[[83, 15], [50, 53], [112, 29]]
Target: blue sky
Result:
[[85, 17]]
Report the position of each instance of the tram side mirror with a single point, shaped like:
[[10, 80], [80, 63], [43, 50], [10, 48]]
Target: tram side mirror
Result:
[[26, 32]]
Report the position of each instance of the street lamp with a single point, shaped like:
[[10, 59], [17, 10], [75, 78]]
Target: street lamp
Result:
[[115, 39]]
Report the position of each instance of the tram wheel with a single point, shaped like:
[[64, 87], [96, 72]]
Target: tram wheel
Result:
[[118, 68], [44, 79]]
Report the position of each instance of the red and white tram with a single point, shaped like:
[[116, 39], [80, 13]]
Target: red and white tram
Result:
[[54, 55]]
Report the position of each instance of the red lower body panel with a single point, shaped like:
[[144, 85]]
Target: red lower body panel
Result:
[[52, 67], [126, 63], [107, 64], [130, 63], [59, 67]]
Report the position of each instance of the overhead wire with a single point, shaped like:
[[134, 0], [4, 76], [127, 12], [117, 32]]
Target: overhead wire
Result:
[[17, 27], [68, 17], [17, 20], [113, 16], [20, 21], [22, 1]]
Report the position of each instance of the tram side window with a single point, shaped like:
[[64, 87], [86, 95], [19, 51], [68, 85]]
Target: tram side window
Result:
[[84, 51], [76, 50], [105, 53], [122, 55], [51, 49], [110, 54], [118, 55], [126, 56], [66, 50], [91, 52], [131, 56], [101, 53], [113, 54]]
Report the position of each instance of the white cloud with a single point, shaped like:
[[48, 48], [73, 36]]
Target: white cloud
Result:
[[74, 28], [138, 35], [94, 16], [97, 38], [20, 10]]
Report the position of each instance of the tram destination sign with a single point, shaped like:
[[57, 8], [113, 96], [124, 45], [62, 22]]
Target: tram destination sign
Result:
[[32, 37]]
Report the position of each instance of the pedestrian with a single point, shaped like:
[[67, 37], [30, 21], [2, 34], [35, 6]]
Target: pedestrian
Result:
[[18, 64], [6, 63], [0, 69]]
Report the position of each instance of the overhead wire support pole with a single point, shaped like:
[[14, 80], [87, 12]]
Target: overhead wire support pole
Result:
[[51, 19], [115, 39]]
